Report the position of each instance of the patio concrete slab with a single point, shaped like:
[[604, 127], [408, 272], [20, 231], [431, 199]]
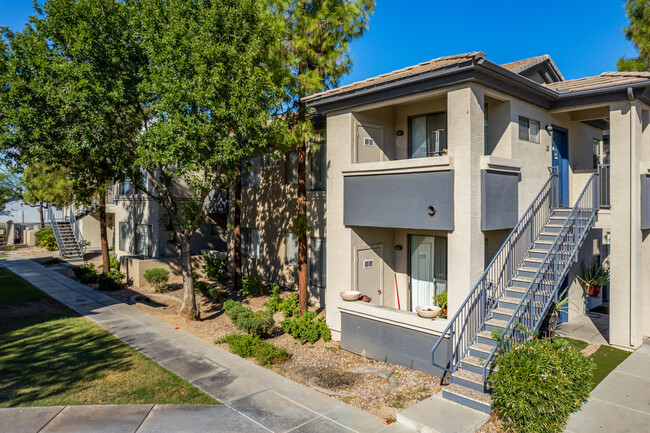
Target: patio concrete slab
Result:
[[624, 390], [602, 416], [355, 419], [193, 419], [190, 367], [273, 411], [226, 386], [26, 419], [438, 415], [638, 365], [321, 425], [96, 419]]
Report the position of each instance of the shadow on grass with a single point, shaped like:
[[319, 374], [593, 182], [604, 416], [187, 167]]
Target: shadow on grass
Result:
[[54, 357]]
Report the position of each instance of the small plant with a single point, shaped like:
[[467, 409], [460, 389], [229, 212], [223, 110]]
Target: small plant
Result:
[[252, 322], [110, 281], [248, 346], [86, 273], [52, 261], [538, 384], [441, 301], [594, 277], [157, 277], [114, 262], [273, 304], [289, 306], [49, 242], [42, 233], [307, 328], [252, 285], [215, 268]]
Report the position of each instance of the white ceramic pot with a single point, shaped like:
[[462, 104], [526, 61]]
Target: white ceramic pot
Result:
[[351, 295], [428, 311]]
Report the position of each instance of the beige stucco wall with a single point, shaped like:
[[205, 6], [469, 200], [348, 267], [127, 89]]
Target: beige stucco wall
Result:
[[135, 268]]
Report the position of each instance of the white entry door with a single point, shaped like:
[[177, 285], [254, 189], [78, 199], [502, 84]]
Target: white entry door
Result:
[[428, 270]]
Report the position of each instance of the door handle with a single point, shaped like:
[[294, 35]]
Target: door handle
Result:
[[379, 291]]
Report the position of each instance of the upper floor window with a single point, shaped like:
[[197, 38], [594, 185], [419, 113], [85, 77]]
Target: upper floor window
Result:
[[595, 144], [250, 243], [291, 168], [317, 268], [528, 129], [318, 168], [251, 173], [428, 135]]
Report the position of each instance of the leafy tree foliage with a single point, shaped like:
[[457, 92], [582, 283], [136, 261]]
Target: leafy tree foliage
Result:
[[47, 184], [638, 32], [9, 188]]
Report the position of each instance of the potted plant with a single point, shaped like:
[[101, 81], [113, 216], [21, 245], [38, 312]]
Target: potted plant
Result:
[[594, 277], [441, 301]]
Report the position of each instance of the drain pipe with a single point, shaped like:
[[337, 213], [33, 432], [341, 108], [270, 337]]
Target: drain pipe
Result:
[[632, 253]]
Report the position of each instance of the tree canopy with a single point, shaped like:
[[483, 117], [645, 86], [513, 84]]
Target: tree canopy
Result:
[[638, 32]]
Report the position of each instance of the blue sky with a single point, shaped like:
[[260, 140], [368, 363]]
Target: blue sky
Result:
[[583, 37]]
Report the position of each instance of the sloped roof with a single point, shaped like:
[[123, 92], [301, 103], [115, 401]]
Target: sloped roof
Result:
[[431, 65], [604, 80], [525, 64]]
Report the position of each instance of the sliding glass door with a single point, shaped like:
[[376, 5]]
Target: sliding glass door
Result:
[[428, 135], [428, 268]]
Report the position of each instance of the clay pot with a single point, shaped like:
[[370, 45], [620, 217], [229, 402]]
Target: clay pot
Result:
[[365, 298], [592, 291]]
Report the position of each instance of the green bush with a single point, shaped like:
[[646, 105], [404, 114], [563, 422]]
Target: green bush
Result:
[[42, 233], [157, 277], [114, 262], [307, 327], [252, 285], [215, 268], [212, 293], [85, 273], [289, 306], [273, 304], [110, 281], [49, 242], [52, 261], [538, 384], [252, 322], [248, 346]]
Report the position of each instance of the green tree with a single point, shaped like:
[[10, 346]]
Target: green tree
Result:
[[9, 188], [208, 91], [71, 94], [314, 49], [43, 184], [638, 32]]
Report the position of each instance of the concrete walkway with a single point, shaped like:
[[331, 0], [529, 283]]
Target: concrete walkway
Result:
[[254, 398], [621, 402]]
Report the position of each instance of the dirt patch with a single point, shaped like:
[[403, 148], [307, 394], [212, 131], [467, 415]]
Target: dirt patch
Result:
[[26, 251], [494, 425], [322, 366]]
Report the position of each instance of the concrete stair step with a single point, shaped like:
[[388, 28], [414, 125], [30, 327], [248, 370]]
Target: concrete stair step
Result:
[[480, 350], [468, 397], [492, 324]]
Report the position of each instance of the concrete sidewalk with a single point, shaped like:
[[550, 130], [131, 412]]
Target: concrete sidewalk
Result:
[[261, 397], [621, 402]]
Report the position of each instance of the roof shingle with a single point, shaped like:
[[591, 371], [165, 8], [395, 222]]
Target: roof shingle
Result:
[[604, 80]]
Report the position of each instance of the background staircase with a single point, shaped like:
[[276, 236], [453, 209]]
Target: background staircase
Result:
[[68, 235], [517, 289]]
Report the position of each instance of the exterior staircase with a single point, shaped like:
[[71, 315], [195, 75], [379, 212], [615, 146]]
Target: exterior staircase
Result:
[[68, 236], [516, 289]]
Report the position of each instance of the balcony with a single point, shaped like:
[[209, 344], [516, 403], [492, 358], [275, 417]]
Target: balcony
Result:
[[411, 193]]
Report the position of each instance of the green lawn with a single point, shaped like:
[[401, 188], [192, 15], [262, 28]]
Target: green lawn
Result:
[[3, 256], [606, 358], [59, 358]]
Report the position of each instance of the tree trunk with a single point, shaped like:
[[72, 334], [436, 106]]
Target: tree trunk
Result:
[[189, 309], [40, 214], [106, 263], [302, 238], [236, 232]]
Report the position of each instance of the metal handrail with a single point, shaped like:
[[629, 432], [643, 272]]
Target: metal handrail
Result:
[[479, 303], [55, 229], [543, 288], [77, 233]]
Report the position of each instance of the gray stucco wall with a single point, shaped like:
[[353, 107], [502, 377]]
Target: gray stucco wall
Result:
[[400, 200], [390, 343], [499, 200], [645, 202]]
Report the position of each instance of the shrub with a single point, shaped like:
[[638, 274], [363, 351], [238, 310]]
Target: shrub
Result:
[[248, 346], [42, 233], [213, 293], [52, 261], [289, 306], [114, 262], [49, 242], [273, 304], [110, 281], [157, 277], [252, 285], [539, 384], [85, 273], [307, 328], [215, 268], [252, 322]]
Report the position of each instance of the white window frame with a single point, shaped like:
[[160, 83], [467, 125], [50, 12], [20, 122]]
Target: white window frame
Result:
[[530, 137]]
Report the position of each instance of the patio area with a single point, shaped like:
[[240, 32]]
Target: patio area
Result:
[[592, 328]]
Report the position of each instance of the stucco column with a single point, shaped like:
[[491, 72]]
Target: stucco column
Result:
[[339, 242], [626, 237], [466, 242]]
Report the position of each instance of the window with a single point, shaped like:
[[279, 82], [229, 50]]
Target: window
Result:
[[272, 161], [291, 249], [125, 188], [143, 240], [291, 169], [250, 243], [528, 129], [251, 174], [317, 266], [486, 145], [318, 169], [124, 242], [596, 151], [428, 135]]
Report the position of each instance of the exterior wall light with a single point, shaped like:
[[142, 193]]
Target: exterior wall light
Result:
[[399, 133], [398, 248], [432, 211], [549, 128]]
